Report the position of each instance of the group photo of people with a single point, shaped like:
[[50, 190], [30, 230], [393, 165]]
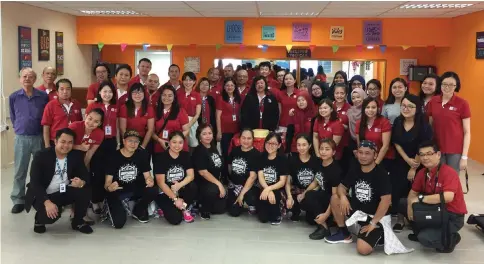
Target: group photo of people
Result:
[[245, 139]]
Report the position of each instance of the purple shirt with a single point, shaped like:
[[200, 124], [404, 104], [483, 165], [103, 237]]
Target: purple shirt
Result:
[[26, 113]]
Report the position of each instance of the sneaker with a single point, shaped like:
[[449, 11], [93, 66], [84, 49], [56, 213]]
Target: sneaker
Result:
[[86, 219], [319, 234], [187, 216], [84, 228], [398, 227], [205, 215], [413, 237], [252, 210], [39, 228], [141, 217], [277, 222], [160, 213], [96, 208], [338, 238]]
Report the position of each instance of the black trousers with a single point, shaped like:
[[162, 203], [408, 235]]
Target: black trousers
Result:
[[143, 197], [209, 198], [400, 184], [78, 196], [98, 168], [315, 202], [251, 197], [224, 147], [171, 213], [267, 211]]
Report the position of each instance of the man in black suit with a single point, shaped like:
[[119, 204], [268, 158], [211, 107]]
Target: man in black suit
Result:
[[58, 177]]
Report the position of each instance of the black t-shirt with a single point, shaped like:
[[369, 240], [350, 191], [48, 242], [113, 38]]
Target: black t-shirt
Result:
[[368, 188], [207, 159], [175, 170], [410, 140], [128, 172], [302, 173], [273, 169], [329, 176], [242, 164]]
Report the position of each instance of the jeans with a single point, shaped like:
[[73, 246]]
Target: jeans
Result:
[[24, 147], [452, 160]]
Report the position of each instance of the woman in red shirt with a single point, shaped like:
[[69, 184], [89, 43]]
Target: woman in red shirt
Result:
[[61, 112], [287, 98], [327, 125], [228, 114], [342, 106], [101, 71], [122, 76], [137, 114], [190, 100], [301, 117], [207, 114], [169, 117]]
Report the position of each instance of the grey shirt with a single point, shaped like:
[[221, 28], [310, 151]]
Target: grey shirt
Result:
[[391, 112]]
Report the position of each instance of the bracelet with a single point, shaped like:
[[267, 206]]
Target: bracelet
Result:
[[373, 224], [464, 157]]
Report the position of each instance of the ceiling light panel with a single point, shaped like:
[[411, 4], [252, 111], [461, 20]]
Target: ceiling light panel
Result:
[[109, 12], [436, 6]]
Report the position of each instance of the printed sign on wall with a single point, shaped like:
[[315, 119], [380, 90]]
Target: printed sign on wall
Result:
[[337, 33], [480, 45], [301, 32], [405, 63], [24, 47], [372, 32], [268, 33], [59, 52], [44, 45], [234, 31], [192, 64]]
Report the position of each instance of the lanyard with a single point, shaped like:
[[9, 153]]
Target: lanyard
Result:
[[232, 102], [107, 114], [64, 169], [67, 112], [204, 108], [436, 178]]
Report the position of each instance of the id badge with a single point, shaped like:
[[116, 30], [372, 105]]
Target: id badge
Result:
[[62, 187], [234, 118], [260, 115], [107, 130], [165, 134]]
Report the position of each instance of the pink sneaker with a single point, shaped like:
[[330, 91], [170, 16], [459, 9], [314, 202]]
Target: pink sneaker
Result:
[[160, 213], [187, 216]]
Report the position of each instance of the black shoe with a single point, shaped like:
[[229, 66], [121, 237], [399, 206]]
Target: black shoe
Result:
[[39, 228], [18, 208], [320, 233], [397, 228], [450, 250], [295, 217], [205, 215], [84, 228], [413, 237], [141, 217]]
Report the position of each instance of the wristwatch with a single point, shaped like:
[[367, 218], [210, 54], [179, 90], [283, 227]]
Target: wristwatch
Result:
[[420, 197]]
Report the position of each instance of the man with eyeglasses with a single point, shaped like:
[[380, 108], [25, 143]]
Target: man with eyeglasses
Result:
[[429, 182], [280, 76], [102, 72]]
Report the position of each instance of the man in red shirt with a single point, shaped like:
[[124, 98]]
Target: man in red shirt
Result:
[[229, 71], [242, 85], [429, 182], [144, 68], [49, 75], [152, 84], [265, 70], [213, 75], [174, 74]]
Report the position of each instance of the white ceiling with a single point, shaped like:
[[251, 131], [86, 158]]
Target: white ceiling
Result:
[[348, 9]]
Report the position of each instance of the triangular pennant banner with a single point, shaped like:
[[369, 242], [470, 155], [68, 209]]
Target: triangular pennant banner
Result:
[[146, 46], [383, 48], [335, 48], [430, 48], [218, 46], [264, 48], [242, 46], [405, 47], [359, 48], [100, 46], [123, 46], [288, 48], [193, 46], [169, 47], [312, 47]]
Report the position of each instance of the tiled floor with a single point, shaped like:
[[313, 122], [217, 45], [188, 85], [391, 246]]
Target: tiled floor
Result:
[[220, 240]]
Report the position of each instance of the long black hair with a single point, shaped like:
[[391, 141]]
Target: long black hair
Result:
[[391, 97], [110, 84], [333, 116], [136, 87], [283, 85], [253, 89], [100, 112], [364, 118], [200, 128], [438, 89], [225, 95], [306, 137], [420, 122], [175, 107]]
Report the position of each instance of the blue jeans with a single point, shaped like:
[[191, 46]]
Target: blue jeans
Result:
[[24, 147], [452, 160]]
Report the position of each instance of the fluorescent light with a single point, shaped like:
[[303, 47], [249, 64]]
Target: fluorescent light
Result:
[[434, 6], [260, 46], [110, 12], [293, 14], [370, 47]]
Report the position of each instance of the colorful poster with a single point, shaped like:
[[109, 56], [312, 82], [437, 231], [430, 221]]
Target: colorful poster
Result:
[[480, 45], [59, 53], [268, 33], [24, 47], [44, 45], [234, 31], [301, 32], [337, 33], [192, 64], [372, 32]]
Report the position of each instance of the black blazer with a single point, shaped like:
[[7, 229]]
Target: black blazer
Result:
[[213, 121], [250, 113], [42, 171]]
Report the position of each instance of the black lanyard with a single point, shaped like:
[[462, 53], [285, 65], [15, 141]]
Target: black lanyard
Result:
[[68, 113], [436, 178]]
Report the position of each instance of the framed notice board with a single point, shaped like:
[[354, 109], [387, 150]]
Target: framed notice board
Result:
[[299, 53], [44, 45], [480, 45], [24, 47], [59, 53]]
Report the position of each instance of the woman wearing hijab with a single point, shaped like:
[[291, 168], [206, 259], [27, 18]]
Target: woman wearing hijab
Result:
[[339, 77], [319, 91], [354, 114], [301, 117], [356, 81]]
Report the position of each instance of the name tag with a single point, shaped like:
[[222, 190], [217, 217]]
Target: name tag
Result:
[[234, 118], [260, 115], [62, 187], [165, 134], [108, 130]]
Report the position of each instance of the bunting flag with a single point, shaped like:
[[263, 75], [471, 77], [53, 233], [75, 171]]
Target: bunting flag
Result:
[[242, 46], [100, 46], [218, 46], [146, 46], [169, 47], [359, 48], [430, 48], [405, 47], [265, 47], [383, 48], [193, 46], [123, 47], [288, 47], [312, 47], [335, 48]]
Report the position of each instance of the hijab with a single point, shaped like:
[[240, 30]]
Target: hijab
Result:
[[302, 115], [350, 83], [354, 113]]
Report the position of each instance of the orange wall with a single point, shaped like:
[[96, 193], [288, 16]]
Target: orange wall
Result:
[[461, 58]]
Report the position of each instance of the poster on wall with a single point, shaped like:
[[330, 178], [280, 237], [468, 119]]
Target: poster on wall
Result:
[[192, 64], [480, 45], [299, 53], [24, 47], [301, 32], [372, 32], [234, 31], [268, 33], [59, 52], [44, 45], [405, 63], [337, 33]]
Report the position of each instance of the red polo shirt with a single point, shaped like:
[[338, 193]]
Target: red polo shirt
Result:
[[177, 87], [92, 91], [447, 122], [172, 125], [215, 90], [135, 79], [448, 181], [287, 102], [95, 138], [343, 118], [328, 130], [381, 103], [140, 121], [188, 101], [244, 93], [374, 134], [110, 117], [52, 95], [230, 116], [298, 129], [154, 98], [57, 117]]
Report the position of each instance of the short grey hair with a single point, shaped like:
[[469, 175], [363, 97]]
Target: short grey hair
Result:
[[27, 69]]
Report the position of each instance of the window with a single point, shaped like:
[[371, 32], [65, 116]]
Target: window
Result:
[[160, 62]]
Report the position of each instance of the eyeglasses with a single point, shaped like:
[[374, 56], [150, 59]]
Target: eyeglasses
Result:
[[428, 154], [316, 88], [272, 144], [138, 92], [448, 85], [408, 107]]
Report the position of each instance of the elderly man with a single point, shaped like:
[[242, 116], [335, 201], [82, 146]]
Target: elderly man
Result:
[[152, 85], [242, 83], [26, 109], [49, 75]]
